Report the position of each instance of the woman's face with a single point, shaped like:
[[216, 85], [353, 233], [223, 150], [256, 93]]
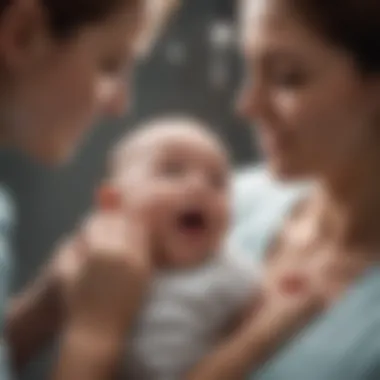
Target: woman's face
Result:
[[54, 99], [312, 109]]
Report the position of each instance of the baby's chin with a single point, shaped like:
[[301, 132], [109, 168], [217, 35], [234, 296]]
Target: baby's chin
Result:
[[184, 259]]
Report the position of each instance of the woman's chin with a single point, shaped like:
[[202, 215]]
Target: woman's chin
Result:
[[286, 171], [50, 155]]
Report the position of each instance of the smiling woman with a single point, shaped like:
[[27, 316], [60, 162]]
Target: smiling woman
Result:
[[63, 65], [312, 90], [312, 82]]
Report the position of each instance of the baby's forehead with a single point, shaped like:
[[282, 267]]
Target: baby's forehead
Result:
[[167, 137], [169, 132]]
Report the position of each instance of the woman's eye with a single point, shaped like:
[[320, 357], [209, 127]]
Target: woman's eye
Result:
[[113, 66], [290, 78]]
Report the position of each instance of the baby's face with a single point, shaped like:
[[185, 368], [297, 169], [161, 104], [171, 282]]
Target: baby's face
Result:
[[187, 171]]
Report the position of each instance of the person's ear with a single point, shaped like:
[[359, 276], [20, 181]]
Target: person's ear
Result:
[[23, 34]]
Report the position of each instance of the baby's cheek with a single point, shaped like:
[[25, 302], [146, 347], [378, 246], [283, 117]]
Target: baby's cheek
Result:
[[183, 258], [167, 197], [182, 255], [223, 216]]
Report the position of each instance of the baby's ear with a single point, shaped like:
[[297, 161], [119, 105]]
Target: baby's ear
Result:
[[108, 197]]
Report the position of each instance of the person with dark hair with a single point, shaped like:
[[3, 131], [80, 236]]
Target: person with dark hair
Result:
[[312, 88], [64, 64]]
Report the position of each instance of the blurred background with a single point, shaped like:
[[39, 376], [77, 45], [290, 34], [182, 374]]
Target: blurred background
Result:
[[193, 70]]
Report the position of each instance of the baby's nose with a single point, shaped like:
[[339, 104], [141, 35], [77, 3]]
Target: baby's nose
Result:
[[197, 186]]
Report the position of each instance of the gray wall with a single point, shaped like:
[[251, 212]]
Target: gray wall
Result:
[[50, 202]]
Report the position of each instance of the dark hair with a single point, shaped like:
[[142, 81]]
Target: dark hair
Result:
[[353, 25], [66, 16]]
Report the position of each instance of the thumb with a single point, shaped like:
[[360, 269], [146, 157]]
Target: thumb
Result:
[[70, 258]]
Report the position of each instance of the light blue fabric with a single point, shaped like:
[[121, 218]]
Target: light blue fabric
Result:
[[6, 228], [341, 344]]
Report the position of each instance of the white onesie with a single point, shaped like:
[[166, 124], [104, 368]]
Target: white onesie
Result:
[[185, 315]]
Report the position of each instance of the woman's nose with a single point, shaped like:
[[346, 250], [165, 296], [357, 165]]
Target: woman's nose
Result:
[[252, 102], [114, 98], [119, 102], [243, 104]]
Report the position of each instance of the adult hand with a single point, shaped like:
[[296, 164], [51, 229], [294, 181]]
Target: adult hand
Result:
[[289, 301], [107, 269], [114, 268]]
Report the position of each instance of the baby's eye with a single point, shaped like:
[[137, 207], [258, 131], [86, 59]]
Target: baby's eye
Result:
[[218, 181], [173, 169]]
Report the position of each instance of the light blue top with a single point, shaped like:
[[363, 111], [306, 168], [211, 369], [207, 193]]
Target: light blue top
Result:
[[341, 344], [6, 229]]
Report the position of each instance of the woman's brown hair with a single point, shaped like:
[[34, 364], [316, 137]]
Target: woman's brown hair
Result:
[[352, 25], [66, 16]]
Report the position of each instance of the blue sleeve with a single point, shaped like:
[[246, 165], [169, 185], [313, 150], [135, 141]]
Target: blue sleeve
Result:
[[374, 373], [372, 349]]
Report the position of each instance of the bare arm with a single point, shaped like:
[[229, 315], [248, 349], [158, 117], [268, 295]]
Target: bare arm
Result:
[[95, 338], [105, 295], [35, 316], [33, 319], [89, 355]]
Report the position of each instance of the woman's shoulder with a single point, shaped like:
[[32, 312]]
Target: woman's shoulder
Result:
[[259, 206]]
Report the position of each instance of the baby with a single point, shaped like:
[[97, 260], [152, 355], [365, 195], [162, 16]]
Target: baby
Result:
[[202, 286]]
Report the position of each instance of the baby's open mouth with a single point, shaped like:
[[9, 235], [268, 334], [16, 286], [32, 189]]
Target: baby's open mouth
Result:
[[194, 221]]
